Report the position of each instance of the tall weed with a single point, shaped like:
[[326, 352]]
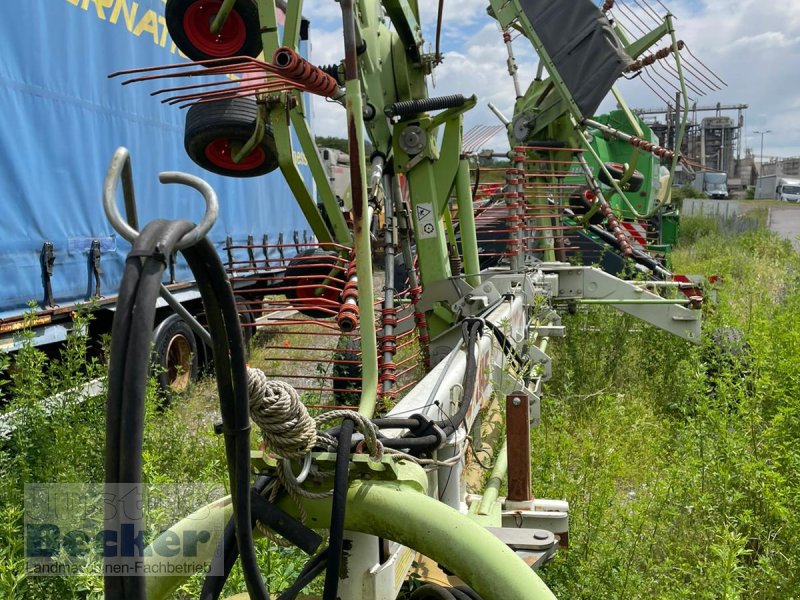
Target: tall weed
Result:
[[680, 462]]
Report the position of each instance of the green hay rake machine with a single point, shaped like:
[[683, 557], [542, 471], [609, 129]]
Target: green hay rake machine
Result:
[[471, 293]]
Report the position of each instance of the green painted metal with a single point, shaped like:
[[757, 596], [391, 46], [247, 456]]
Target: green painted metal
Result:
[[269, 27], [291, 26], [400, 511], [363, 242], [629, 204], [341, 231], [638, 47], [256, 138], [222, 15], [676, 301], [292, 103], [466, 216], [405, 17], [670, 228], [288, 166], [496, 479], [432, 179]]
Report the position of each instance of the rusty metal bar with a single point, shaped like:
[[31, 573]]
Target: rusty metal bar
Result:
[[518, 432]]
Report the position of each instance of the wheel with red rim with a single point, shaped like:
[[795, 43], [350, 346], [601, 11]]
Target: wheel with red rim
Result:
[[216, 131], [189, 25], [304, 276], [617, 172]]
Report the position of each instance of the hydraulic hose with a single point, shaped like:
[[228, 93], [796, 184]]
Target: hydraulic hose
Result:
[[338, 506], [131, 336], [226, 554], [229, 361]]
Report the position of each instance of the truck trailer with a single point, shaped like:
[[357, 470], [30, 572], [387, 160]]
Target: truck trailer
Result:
[[785, 189], [62, 120]]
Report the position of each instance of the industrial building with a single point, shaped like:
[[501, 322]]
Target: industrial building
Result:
[[712, 143]]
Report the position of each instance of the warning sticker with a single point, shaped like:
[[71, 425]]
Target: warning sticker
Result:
[[426, 222]]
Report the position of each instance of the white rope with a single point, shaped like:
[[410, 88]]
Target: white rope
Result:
[[276, 408]]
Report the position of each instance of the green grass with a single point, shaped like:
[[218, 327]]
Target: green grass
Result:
[[180, 447], [679, 461]]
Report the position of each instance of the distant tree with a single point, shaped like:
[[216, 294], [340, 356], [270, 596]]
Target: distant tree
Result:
[[337, 143]]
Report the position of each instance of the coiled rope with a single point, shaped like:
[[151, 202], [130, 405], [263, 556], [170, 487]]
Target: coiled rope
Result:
[[290, 432]]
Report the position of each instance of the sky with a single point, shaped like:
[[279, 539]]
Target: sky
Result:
[[752, 45]]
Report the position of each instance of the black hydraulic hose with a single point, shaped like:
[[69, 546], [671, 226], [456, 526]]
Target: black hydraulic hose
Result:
[[636, 255], [120, 329], [508, 347], [229, 360], [338, 506], [140, 336], [131, 337], [472, 329], [119, 336], [312, 568], [225, 554], [477, 179]]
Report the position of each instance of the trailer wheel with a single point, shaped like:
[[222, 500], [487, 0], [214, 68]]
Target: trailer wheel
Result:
[[308, 268], [174, 355], [189, 25], [217, 130], [247, 319]]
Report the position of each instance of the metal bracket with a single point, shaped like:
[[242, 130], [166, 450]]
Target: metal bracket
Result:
[[592, 285], [48, 259], [477, 301], [94, 261], [550, 331], [251, 254], [541, 358]]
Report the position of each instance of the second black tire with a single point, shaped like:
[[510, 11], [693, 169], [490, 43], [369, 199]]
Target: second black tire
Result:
[[215, 131]]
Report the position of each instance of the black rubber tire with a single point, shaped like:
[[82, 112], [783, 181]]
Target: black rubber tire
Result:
[[301, 266], [175, 357], [246, 14], [345, 394], [210, 126], [617, 171], [580, 206]]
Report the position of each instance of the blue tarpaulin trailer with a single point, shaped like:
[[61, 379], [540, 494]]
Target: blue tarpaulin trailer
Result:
[[60, 122]]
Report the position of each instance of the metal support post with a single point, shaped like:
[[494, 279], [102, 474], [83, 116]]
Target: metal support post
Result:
[[358, 179], [518, 434], [466, 218]]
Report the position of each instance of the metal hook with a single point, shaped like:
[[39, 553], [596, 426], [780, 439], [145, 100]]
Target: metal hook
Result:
[[120, 168], [212, 205]]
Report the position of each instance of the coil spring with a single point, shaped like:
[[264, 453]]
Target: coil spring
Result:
[[409, 108]]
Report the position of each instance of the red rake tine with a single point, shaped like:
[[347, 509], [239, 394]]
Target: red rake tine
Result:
[[224, 92]]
